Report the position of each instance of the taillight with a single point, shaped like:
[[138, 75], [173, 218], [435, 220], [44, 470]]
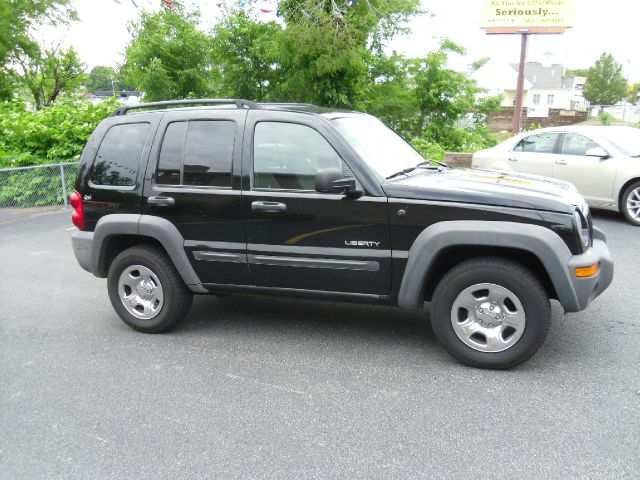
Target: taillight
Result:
[[77, 217]]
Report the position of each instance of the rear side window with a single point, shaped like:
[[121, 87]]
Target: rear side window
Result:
[[118, 157], [198, 153], [541, 143]]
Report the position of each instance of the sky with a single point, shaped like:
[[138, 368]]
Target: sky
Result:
[[101, 34]]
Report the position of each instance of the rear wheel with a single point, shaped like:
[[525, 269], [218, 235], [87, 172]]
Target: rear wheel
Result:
[[146, 290], [490, 313], [631, 204]]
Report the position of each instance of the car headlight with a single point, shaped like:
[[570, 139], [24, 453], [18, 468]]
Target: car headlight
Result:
[[583, 228]]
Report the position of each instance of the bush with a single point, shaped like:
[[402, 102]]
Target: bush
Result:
[[428, 149], [55, 134], [605, 118]]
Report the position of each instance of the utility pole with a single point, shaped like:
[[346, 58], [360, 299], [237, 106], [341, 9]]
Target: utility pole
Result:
[[517, 111]]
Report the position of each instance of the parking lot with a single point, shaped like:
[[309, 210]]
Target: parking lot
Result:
[[251, 387]]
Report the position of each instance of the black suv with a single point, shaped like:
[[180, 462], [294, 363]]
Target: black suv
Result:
[[230, 196]]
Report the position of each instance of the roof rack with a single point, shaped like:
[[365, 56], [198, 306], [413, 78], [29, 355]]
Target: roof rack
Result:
[[205, 101]]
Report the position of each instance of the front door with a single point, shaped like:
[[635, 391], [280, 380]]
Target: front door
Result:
[[593, 176], [299, 238], [193, 180]]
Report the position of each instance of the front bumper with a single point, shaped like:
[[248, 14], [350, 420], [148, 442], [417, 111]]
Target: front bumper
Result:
[[586, 289], [82, 243]]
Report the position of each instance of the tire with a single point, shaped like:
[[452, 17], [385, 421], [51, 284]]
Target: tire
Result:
[[146, 280], [490, 287], [630, 204]]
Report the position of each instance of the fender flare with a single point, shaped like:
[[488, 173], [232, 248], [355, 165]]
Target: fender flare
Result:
[[157, 228], [545, 244]]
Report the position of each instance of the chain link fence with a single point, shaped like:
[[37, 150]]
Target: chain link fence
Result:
[[37, 186]]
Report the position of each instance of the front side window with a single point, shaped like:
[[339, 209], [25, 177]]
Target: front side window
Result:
[[197, 153], [574, 144], [381, 148], [286, 156], [540, 143], [118, 158]]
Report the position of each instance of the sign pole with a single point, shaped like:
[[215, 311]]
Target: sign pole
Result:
[[517, 111]]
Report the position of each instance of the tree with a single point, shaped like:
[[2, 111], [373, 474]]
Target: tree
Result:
[[605, 83], [101, 78], [479, 63], [17, 17], [49, 73], [576, 72], [633, 93], [445, 97], [327, 46], [169, 58], [247, 53]]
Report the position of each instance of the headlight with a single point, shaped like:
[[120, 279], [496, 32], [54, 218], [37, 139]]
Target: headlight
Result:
[[582, 227]]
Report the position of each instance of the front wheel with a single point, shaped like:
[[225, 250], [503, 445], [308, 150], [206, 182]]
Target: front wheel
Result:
[[490, 313], [146, 290], [631, 204]]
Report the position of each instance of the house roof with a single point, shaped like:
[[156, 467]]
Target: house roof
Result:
[[545, 77]]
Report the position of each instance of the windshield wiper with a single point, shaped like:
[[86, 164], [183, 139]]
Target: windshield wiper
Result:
[[425, 165]]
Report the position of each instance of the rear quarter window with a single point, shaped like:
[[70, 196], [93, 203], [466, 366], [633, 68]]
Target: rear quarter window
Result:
[[118, 158]]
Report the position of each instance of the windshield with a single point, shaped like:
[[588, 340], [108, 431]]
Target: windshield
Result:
[[382, 148], [625, 139]]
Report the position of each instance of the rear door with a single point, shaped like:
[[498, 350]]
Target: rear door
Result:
[[535, 154], [299, 238], [193, 180], [118, 151]]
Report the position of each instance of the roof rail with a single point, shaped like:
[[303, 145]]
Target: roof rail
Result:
[[205, 101]]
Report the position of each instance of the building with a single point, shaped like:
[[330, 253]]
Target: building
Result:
[[126, 97], [545, 86]]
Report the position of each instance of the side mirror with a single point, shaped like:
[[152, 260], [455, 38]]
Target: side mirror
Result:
[[597, 152], [332, 180]]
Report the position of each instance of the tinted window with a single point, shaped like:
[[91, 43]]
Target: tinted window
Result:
[[170, 161], [198, 152], [541, 143], [287, 156], [208, 153], [574, 144], [119, 155]]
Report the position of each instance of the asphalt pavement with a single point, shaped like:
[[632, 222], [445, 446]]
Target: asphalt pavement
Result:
[[251, 387]]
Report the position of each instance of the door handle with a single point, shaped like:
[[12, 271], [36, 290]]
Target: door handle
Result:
[[268, 207], [161, 201], [561, 162], [513, 159]]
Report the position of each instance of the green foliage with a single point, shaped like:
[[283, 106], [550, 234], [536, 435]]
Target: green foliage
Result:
[[48, 73], [248, 57], [633, 93], [606, 84], [577, 72], [605, 118], [35, 187], [101, 78], [479, 63], [532, 126], [55, 134], [326, 46], [169, 58], [428, 149], [17, 19]]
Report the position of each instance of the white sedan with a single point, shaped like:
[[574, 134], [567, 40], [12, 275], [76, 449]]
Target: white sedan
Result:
[[602, 162]]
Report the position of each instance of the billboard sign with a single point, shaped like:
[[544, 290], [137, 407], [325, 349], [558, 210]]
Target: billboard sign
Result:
[[531, 16]]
